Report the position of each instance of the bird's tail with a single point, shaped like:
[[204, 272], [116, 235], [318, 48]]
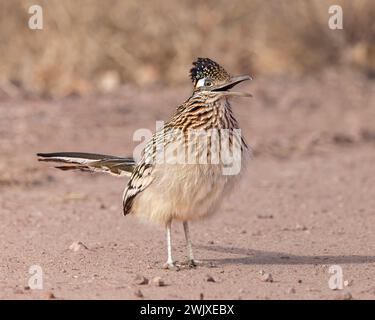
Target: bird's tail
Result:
[[92, 162]]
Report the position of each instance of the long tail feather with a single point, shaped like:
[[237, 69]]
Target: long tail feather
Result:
[[92, 162]]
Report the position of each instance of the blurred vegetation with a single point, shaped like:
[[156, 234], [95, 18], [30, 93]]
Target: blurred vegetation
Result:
[[90, 45]]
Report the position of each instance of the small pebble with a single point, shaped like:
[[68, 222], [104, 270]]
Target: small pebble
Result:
[[103, 206], [344, 296], [348, 283], [265, 216], [201, 296], [210, 279], [291, 290], [49, 295], [140, 280], [158, 282], [300, 227], [267, 277], [76, 246], [138, 293]]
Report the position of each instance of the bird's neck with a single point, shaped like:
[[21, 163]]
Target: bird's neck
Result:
[[201, 111]]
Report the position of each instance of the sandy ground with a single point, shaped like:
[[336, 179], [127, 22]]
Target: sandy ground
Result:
[[307, 201]]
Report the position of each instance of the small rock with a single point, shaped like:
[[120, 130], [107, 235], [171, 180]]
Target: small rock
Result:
[[291, 290], [140, 280], [344, 296], [49, 295], [265, 216], [261, 272], [299, 281], [348, 283], [210, 278], [77, 245], [368, 135], [267, 277], [138, 293], [300, 227], [26, 288], [342, 138], [109, 80], [158, 282], [201, 296]]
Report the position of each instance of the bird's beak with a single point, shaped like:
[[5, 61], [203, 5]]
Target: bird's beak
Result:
[[233, 81]]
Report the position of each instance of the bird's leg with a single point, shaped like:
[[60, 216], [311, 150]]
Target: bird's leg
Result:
[[170, 264], [191, 261]]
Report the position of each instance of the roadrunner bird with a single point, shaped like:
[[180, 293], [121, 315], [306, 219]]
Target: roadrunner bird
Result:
[[163, 185]]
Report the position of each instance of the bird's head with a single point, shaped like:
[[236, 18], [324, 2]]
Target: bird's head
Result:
[[207, 75]]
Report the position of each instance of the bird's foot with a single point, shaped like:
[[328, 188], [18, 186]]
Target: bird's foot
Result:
[[173, 266], [192, 263]]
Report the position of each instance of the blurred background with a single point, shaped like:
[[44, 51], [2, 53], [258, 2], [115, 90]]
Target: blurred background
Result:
[[91, 45]]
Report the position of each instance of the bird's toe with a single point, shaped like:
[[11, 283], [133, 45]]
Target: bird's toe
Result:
[[192, 263], [173, 266]]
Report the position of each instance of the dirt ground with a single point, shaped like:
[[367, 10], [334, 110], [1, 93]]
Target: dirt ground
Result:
[[306, 202]]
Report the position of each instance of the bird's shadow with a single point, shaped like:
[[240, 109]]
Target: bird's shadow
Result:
[[254, 257]]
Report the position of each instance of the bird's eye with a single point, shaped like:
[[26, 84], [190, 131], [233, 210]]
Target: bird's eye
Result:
[[208, 83]]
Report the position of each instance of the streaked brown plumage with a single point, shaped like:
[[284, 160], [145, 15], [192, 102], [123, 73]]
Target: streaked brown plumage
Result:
[[170, 182]]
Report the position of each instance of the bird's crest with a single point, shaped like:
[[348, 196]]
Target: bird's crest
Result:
[[207, 68]]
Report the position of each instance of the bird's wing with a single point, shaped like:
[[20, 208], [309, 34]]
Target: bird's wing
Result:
[[142, 175], [139, 181]]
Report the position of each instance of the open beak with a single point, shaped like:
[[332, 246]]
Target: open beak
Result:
[[224, 88]]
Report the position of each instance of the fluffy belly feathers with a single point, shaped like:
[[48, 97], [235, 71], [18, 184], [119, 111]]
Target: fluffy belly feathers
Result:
[[183, 192]]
